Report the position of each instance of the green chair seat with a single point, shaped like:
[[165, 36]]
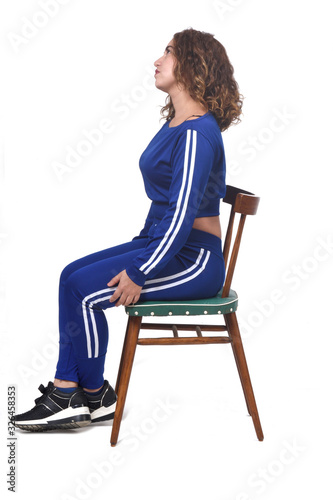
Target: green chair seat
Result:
[[212, 305]]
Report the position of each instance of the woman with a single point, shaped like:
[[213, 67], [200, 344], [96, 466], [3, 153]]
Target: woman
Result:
[[176, 256]]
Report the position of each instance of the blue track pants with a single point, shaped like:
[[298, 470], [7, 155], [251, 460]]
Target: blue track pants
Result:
[[197, 271]]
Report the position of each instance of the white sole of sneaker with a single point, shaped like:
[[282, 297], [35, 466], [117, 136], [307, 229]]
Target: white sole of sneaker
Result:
[[103, 413], [68, 418]]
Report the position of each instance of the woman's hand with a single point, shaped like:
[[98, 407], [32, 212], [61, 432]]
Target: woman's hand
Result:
[[127, 291]]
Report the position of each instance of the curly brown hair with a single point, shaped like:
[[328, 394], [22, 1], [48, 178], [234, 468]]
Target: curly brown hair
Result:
[[203, 68]]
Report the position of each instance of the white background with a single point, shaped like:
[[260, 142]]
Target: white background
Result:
[[65, 72]]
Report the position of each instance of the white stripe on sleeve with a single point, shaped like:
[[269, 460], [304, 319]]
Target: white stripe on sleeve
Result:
[[178, 207]]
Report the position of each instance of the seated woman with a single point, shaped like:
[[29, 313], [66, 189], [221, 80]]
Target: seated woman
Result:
[[178, 253]]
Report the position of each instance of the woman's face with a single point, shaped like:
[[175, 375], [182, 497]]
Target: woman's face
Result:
[[164, 76]]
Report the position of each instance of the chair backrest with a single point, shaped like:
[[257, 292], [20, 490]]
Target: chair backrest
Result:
[[244, 203]]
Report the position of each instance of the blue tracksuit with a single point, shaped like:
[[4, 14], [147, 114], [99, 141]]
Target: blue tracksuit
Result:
[[183, 169]]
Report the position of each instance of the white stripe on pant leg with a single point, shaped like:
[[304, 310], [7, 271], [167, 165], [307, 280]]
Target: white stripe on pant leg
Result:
[[180, 282], [94, 322], [86, 326], [173, 222], [180, 221], [86, 321], [172, 276]]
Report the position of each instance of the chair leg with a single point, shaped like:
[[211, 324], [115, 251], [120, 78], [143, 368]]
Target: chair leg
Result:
[[122, 358], [124, 373], [237, 345], [241, 379]]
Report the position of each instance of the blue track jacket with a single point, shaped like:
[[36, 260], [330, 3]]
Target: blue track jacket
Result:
[[183, 170]]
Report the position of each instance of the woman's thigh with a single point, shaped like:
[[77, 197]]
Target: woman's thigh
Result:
[[102, 255], [192, 273]]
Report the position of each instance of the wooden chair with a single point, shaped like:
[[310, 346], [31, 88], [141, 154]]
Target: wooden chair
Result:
[[225, 303]]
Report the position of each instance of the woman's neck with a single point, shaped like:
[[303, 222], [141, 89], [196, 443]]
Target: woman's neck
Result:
[[185, 106]]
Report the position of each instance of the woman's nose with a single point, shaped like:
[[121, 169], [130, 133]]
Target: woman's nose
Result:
[[157, 62]]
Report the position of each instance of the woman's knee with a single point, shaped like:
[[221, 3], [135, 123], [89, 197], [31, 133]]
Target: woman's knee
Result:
[[75, 283], [86, 291], [69, 270]]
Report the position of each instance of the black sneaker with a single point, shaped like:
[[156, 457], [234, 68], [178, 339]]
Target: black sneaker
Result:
[[55, 410], [102, 406]]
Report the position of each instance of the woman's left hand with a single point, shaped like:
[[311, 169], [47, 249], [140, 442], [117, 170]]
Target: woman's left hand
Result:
[[127, 291]]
